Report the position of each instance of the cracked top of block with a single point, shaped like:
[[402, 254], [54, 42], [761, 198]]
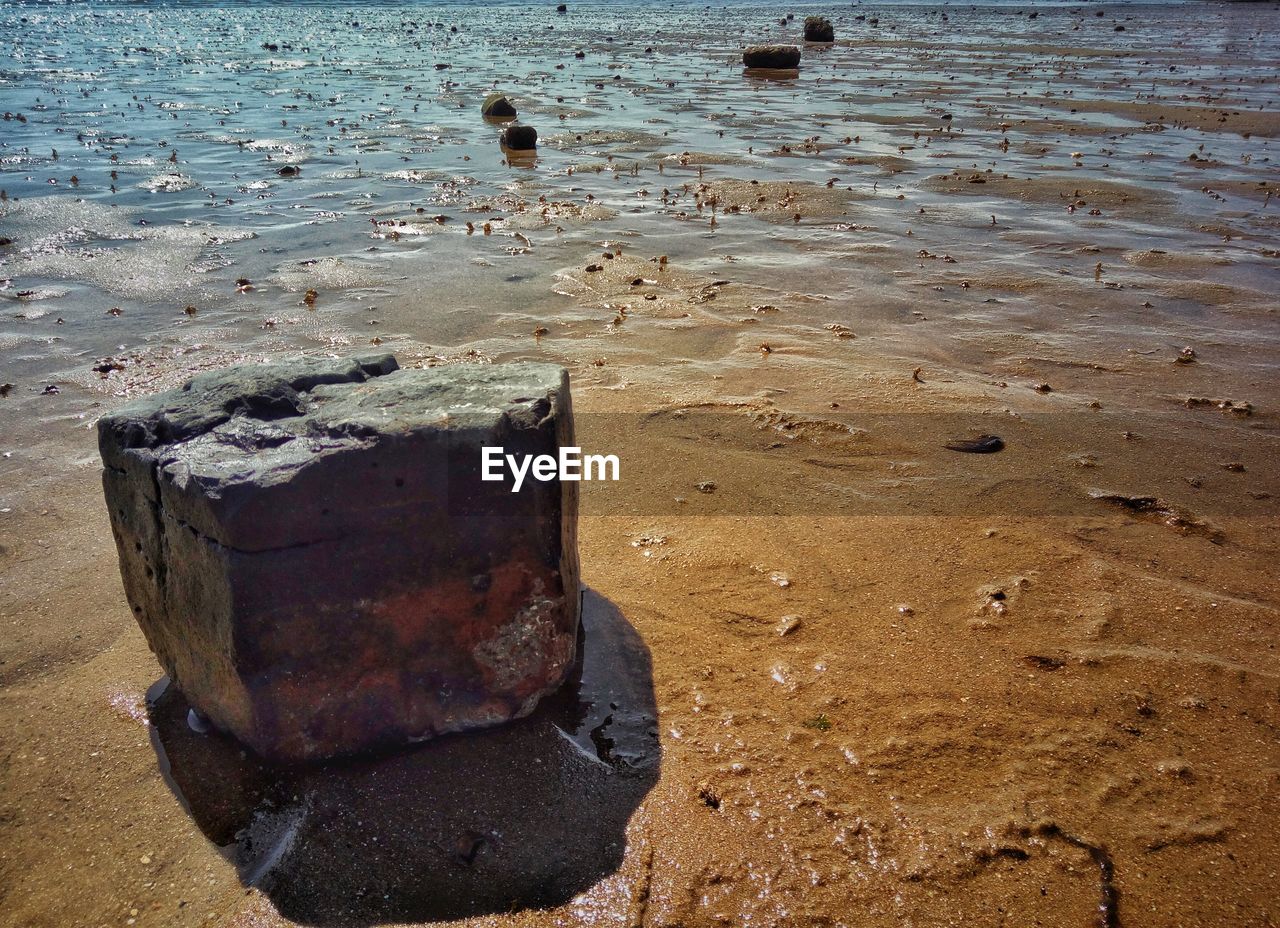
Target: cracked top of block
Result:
[[263, 456]]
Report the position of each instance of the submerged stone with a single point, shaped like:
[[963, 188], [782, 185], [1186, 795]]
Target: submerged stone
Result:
[[777, 57], [497, 106], [313, 557], [818, 29], [520, 138]]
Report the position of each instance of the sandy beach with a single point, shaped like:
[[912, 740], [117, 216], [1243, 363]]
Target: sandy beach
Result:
[[834, 671]]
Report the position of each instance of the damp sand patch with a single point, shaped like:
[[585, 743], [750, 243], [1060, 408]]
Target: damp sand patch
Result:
[[331, 273], [697, 159], [1049, 189], [1156, 259], [887, 164], [629, 285], [516, 212], [952, 49], [1237, 120], [777, 201], [616, 139], [1257, 192], [534, 216], [152, 368], [1221, 296]]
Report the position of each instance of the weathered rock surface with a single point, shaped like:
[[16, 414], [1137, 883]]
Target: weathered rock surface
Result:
[[497, 106], [818, 29], [520, 138], [771, 56], [315, 561]]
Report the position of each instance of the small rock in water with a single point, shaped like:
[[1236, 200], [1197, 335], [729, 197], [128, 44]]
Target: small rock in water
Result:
[[818, 29], [776, 57], [520, 138], [289, 170], [497, 106]]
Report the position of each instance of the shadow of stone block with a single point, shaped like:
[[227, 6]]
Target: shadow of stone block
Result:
[[525, 815]]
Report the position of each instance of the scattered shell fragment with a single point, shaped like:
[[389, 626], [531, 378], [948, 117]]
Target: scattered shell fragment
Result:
[[788, 624]]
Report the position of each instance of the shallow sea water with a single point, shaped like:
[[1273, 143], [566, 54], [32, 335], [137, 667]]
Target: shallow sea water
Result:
[[893, 683], [170, 123]]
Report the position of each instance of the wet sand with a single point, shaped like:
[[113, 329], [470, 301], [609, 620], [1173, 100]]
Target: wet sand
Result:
[[865, 679]]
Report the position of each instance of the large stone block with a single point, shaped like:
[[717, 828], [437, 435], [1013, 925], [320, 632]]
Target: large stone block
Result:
[[818, 29], [771, 57], [314, 559]]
